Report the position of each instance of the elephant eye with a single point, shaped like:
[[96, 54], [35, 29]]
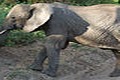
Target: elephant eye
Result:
[[13, 17]]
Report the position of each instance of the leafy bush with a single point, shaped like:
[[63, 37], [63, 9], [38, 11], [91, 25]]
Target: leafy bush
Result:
[[23, 38], [92, 2], [3, 12]]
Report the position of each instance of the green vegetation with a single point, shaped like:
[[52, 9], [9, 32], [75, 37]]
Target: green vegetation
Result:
[[92, 2], [3, 11], [23, 38], [19, 37]]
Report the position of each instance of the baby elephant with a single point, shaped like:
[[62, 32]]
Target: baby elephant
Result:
[[95, 26]]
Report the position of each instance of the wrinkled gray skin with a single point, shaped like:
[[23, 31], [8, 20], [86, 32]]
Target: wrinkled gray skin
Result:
[[95, 26]]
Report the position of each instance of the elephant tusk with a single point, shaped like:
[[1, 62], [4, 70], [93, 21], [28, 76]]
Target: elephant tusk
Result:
[[3, 31]]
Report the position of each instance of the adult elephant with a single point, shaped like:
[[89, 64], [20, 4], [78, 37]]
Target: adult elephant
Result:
[[95, 26]]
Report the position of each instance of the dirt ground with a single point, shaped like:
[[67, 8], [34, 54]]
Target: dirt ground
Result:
[[76, 63]]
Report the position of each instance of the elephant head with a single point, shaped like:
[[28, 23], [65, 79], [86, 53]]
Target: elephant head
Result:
[[27, 17]]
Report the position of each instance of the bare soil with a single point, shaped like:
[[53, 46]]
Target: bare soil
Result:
[[76, 63]]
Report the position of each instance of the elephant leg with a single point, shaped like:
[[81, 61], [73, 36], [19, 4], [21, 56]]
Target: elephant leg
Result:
[[116, 72], [53, 45], [38, 62]]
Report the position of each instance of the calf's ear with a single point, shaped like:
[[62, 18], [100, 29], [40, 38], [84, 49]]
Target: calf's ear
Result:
[[40, 15]]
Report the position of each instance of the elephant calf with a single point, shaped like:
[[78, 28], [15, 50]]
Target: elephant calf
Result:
[[95, 26]]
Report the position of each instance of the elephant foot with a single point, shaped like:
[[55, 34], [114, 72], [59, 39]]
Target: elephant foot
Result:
[[36, 67], [49, 73], [115, 73]]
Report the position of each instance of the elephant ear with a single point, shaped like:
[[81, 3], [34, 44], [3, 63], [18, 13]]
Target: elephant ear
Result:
[[40, 15]]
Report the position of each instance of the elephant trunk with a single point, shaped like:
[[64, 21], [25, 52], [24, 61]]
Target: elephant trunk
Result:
[[3, 34], [7, 25]]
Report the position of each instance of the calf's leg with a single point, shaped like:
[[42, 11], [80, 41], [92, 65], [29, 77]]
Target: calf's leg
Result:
[[38, 62], [116, 72]]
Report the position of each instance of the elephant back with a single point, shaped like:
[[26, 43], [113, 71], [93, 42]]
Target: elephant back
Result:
[[97, 15]]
